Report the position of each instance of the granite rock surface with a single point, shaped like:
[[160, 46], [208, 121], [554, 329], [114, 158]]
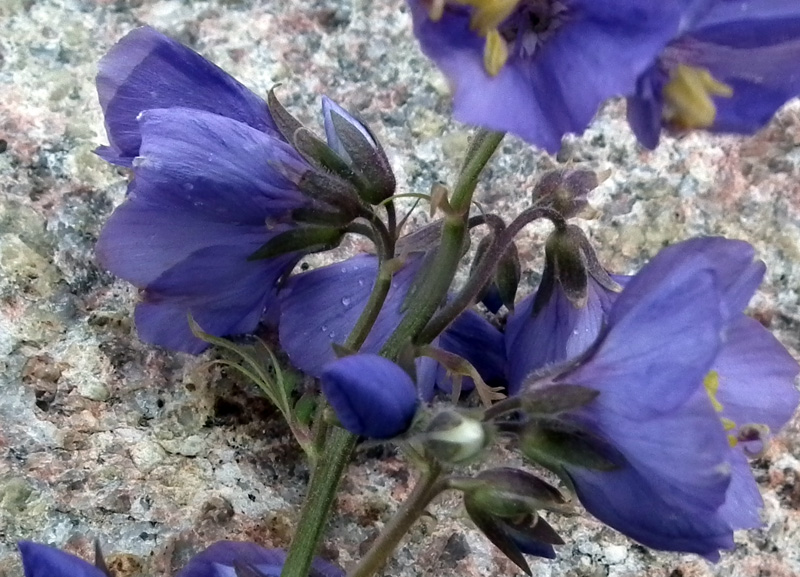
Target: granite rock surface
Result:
[[157, 454]]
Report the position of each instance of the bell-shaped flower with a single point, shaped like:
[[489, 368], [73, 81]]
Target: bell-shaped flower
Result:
[[371, 396], [43, 561], [243, 559], [541, 69], [215, 183], [562, 319], [730, 71], [147, 70], [670, 373], [207, 193]]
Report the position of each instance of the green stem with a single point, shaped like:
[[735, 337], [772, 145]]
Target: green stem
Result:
[[339, 445], [439, 276], [319, 501], [484, 270], [383, 282], [481, 149], [429, 486]]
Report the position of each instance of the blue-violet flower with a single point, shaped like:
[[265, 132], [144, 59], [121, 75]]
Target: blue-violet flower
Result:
[[686, 383], [223, 558], [729, 71], [541, 68]]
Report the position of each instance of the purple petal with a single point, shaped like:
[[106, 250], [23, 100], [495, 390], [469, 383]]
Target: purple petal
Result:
[[743, 503], [559, 332], [321, 307], [730, 262], [661, 341], [476, 340], [644, 108], [206, 164], [756, 376], [218, 561], [142, 240], [649, 367], [371, 395], [625, 500], [147, 70], [330, 107], [224, 293], [43, 561]]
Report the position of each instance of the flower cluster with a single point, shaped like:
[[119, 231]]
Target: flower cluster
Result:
[[542, 68], [646, 394]]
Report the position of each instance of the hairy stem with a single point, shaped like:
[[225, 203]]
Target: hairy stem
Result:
[[429, 486], [484, 270], [319, 501], [439, 276]]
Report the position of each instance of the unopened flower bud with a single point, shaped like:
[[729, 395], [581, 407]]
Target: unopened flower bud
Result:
[[454, 438], [565, 190]]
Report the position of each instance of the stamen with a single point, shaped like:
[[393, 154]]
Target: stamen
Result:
[[688, 97], [489, 14], [711, 383], [495, 53]]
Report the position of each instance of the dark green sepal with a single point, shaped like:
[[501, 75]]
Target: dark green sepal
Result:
[[554, 399], [332, 190], [368, 159], [317, 152], [564, 265], [565, 190], [554, 444], [509, 493], [506, 276], [287, 124], [307, 239], [494, 530]]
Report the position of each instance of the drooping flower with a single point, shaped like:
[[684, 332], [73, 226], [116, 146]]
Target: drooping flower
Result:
[[563, 318], [729, 72], [320, 308], [214, 181], [674, 396], [43, 561], [371, 395], [207, 193], [235, 558], [541, 68]]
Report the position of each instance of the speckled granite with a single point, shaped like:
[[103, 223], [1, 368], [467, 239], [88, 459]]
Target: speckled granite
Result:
[[157, 454]]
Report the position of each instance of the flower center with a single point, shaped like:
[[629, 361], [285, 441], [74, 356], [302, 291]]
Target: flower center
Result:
[[510, 27], [687, 97]]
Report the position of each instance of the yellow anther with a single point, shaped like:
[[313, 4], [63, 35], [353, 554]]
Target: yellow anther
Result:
[[711, 383], [495, 53], [489, 14], [732, 441], [727, 424], [688, 97]]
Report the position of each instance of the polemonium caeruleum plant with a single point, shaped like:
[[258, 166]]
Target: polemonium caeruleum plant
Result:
[[644, 394]]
